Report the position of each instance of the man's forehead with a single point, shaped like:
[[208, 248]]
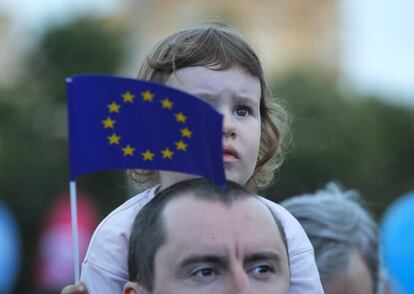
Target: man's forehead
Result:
[[196, 226], [189, 210], [193, 198]]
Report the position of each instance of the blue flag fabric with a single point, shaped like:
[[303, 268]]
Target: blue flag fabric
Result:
[[121, 123]]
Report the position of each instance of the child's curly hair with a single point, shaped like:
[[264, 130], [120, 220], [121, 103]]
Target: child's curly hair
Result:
[[220, 48]]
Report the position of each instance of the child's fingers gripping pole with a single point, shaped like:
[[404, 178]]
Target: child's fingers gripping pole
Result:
[[74, 217]]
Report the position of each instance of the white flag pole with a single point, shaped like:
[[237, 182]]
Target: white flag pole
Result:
[[74, 216]]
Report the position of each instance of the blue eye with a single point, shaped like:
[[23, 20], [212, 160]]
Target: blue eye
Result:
[[242, 110], [261, 269], [262, 272], [204, 272]]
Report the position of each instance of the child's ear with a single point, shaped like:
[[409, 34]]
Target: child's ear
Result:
[[133, 288]]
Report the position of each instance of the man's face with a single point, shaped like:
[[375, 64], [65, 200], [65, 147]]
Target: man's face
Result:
[[213, 248]]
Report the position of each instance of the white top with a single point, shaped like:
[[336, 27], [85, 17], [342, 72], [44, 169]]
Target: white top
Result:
[[105, 268]]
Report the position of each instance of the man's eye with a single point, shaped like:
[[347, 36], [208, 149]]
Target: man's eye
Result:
[[262, 271], [242, 110], [205, 275], [204, 272]]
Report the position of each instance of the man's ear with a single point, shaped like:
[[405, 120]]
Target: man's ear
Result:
[[133, 288]]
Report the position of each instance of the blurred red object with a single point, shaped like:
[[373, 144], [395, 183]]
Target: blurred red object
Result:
[[54, 263]]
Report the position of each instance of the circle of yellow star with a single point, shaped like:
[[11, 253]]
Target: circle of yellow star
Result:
[[181, 145], [128, 150], [147, 96], [114, 107], [148, 155], [128, 97], [166, 103], [114, 139], [180, 117], [186, 133], [108, 123], [167, 153]]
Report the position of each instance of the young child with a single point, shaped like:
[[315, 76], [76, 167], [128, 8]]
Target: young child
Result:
[[219, 66]]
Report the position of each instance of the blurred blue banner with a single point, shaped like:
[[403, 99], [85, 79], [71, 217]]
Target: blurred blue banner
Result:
[[9, 250], [397, 240]]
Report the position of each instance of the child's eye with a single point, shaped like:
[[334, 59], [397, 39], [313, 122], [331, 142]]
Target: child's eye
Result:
[[242, 110]]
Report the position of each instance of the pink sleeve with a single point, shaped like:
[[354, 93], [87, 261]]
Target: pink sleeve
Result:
[[105, 267], [99, 280], [304, 276]]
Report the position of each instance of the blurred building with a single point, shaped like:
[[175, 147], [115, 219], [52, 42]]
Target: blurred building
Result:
[[10, 53], [287, 34]]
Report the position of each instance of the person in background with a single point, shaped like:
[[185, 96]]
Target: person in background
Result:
[[344, 236]]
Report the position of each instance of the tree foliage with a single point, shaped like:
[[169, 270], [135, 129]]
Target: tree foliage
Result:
[[360, 142], [33, 140]]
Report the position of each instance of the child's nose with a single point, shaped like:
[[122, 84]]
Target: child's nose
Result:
[[229, 127]]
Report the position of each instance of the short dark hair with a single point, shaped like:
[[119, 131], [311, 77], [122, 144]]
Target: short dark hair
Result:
[[148, 230]]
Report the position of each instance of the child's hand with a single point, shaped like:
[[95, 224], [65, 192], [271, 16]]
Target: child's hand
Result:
[[75, 289]]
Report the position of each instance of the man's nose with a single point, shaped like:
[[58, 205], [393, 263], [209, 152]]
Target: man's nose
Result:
[[240, 282]]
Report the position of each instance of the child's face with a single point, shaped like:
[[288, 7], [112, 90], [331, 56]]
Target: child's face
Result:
[[236, 95]]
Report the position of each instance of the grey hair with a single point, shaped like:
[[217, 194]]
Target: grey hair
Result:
[[337, 224]]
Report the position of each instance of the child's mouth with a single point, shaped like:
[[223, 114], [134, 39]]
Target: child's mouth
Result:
[[229, 154]]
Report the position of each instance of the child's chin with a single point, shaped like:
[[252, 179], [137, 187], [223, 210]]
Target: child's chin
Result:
[[234, 176]]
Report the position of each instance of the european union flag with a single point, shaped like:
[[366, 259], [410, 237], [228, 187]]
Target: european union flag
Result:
[[121, 123]]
